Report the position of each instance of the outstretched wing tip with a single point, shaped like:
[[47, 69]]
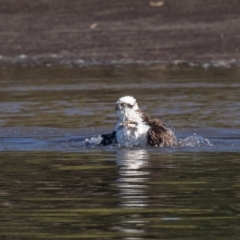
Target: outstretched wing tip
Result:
[[108, 139]]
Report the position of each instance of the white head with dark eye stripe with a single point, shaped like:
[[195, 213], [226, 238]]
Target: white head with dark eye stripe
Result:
[[127, 109]]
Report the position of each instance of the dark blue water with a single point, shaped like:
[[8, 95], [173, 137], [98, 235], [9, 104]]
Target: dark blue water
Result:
[[78, 140]]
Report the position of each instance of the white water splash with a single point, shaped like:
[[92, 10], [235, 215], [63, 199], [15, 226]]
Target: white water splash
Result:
[[194, 141], [191, 141], [93, 141]]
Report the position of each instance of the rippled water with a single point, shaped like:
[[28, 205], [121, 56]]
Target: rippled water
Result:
[[55, 185]]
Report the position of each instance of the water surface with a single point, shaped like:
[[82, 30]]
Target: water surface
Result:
[[55, 186]]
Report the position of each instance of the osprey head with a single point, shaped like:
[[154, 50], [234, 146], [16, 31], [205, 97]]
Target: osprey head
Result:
[[127, 108]]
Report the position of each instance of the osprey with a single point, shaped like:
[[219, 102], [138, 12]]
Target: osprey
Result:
[[135, 128]]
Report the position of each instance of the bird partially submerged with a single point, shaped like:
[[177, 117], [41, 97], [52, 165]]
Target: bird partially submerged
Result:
[[135, 128]]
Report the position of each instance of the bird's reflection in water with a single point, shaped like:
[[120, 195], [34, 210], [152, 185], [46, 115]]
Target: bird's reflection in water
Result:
[[132, 177], [133, 189]]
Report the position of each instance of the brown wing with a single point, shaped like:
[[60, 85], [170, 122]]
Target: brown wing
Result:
[[159, 135]]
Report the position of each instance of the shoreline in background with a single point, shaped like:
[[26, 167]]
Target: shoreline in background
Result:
[[106, 32]]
